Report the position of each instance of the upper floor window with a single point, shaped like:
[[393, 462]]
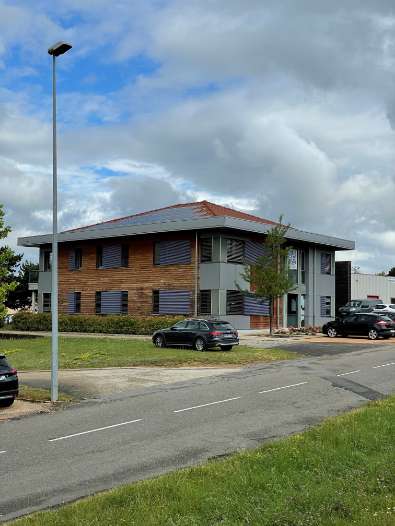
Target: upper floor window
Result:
[[235, 250], [75, 259], [112, 256], [326, 263], [175, 252], [47, 260], [206, 249]]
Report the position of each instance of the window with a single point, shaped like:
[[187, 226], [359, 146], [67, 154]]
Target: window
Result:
[[98, 302], [193, 325], [392, 300], [235, 251], [326, 263], [206, 249], [303, 266], [47, 261], [234, 302], [176, 252], [77, 302], [46, 302], [203, 326], [125, 256], [205, 302], [181, 325], [223, 326], [75, 259], [99, 257], [171, 301], [155, 301], [326, 306], [124, 301]]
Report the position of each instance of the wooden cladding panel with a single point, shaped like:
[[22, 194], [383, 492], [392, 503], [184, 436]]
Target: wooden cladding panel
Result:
[[139, 278]]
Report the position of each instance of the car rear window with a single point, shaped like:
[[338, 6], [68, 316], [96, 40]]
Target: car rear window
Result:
[[385, 318], [223, 326], [3, 363]]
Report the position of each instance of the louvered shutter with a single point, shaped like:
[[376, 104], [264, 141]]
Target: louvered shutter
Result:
[[326, 263], [72, 259], [175, 301], [111, 302], [325, 304], [173, 252], [112, 256], [234, 302], [206, 249], [70, 303], [235, 250], [255, 305], [253, 251]]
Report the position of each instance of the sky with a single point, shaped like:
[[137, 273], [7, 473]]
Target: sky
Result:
[[265, 106]]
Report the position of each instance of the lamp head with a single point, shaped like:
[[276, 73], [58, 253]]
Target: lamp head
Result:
[[59, 48]]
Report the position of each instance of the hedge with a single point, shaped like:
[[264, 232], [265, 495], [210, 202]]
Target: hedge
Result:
[[27, 321]]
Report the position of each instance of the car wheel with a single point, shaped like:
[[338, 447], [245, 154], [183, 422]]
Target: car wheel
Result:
[[373, 334], [200, 344], [226, 347], [159, 341], [331, 332], [7, 402]]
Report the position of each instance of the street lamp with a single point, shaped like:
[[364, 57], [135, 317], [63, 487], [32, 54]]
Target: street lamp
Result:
[[57, 49]]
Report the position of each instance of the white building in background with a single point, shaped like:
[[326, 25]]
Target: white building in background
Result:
[[370, 286]]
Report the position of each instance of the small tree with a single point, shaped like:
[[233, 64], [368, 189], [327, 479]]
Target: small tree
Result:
[[6, 256], [20, 297], [269, 277]]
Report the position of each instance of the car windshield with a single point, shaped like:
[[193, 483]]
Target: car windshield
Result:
[[223, 326], [3, 363], [353, 304]]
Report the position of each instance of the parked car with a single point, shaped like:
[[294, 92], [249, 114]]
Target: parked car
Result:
[[368, 324], [200, 334], [359, 306], [385, 307], [8, 383]]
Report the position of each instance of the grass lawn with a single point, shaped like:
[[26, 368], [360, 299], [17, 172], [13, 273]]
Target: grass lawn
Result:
[[37, 394], [34, 353], [339, 473]]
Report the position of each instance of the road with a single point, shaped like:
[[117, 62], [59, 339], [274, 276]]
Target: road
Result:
[[54, 458]]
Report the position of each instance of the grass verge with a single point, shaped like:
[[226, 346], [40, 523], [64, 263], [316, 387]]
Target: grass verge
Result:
[[37, 394], [34, 353], [339, 473]]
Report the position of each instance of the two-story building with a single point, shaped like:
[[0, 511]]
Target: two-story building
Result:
[[185, 259]]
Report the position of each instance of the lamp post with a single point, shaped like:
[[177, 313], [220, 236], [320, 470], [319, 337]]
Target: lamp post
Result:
[[57, 49]]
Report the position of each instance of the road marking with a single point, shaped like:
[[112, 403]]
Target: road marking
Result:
[[3, 452], [384, 365], [283, 387], [350, 372], [205, 405], [94, 430]]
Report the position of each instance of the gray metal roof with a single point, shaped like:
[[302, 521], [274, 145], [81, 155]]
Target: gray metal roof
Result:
[[117, 229]]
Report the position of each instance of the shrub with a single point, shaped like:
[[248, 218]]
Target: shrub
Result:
[[27, 321]]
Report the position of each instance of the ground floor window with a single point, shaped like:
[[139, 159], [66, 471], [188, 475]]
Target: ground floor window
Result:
[[111, 302], [205, 302], [171, 301], [326, 306], [234, 302], [46, 302], [74, 303]]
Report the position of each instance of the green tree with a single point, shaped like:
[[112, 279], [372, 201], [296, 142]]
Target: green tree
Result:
[[20, 297], [391, 272], [7, 263], [269, 277]]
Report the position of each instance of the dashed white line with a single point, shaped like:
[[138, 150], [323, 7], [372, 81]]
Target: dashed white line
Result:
[[349, 372], [3, 452], [384, 365], [283, 387], [94, 430], [205, 405]]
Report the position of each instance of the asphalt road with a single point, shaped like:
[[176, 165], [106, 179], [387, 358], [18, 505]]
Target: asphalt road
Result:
[[46, 460]]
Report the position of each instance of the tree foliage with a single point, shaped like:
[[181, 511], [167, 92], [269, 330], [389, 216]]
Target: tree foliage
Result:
[[8, 262], [269, 277], [391, 272], [20, 297]]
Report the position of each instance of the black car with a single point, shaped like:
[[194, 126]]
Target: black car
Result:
[[368, 324], [200, 334], [8, 383]]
